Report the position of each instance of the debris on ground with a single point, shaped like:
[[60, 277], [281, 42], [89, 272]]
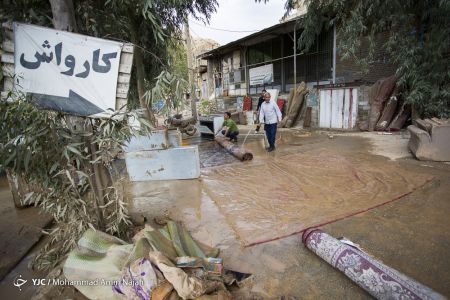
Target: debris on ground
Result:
[[295, 107], [379, 280], [186, 125], [388, 109], [238, 152], [430, 139], [160, 264]]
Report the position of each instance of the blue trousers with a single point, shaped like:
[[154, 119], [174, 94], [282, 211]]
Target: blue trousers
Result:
[[231, 134], [271, 132]]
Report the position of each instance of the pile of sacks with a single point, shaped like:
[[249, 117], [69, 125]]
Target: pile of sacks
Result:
[[160, 264]]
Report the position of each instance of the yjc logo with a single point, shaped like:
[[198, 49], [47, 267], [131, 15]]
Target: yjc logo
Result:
[[18, 281], [39, 281]]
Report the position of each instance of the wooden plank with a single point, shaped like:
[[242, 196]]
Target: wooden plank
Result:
[[308, 115], [8, 70], [122, 88], [8, 34], [7, 58], [354, 112], [124, 78], [120, 102], [126, 58], [128, 48], [8, 46], [125, 69], [7, 25], [439, 121], [122, 95], [126, 61]]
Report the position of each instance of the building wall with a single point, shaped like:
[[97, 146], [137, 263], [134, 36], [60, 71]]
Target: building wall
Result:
[[363, 103], [233, 74], [349, 71]]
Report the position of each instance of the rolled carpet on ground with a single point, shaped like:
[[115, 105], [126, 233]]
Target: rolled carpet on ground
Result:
[[234, 149], [379, 280]]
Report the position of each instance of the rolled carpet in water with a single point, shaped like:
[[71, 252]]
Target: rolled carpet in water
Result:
[[234, 149], [379, 280]]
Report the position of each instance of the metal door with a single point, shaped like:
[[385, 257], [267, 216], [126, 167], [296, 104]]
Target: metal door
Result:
[[338, 108]]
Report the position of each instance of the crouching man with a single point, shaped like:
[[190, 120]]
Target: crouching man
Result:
[[229, 128]]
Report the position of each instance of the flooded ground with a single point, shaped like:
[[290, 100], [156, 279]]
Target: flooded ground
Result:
[[20, 230], [275, 198], [311, 177], [231, 204]]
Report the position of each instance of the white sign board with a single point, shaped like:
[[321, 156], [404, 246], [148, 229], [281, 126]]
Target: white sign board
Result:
[[65, 71], [261, 75]]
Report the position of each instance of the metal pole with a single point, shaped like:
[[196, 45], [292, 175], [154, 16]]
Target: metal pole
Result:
[[295, 57], [334, 54]]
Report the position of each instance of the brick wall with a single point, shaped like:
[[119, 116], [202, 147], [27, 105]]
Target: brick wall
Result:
[[348, 71], [363, 104]]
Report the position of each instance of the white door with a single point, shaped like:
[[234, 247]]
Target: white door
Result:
[[338, 108]]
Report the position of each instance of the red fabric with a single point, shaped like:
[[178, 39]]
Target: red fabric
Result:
[[247, 103], [280, 103]]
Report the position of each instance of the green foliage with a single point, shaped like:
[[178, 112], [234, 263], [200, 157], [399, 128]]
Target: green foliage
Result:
[[154, 26], [34, 12], [171, 89], [68, 161], [418, 42], [177, 60], [206, 107], [61, 158]]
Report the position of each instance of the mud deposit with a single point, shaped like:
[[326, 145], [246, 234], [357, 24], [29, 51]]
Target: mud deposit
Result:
[[285, 195], [311, 179]]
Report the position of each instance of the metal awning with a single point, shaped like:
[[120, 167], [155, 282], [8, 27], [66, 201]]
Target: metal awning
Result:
[[254, 38]]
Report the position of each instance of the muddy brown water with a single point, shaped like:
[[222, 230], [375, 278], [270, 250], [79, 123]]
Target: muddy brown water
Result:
[[410, 234], [20, 230], [285, 267], [278, 197]]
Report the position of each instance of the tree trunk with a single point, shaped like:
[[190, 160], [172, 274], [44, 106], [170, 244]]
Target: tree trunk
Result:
[[64, 19], [191, 70], [140, 71], [140, 76], [63, 15]]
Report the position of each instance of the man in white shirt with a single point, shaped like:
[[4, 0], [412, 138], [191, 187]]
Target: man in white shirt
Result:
[[270, 115]]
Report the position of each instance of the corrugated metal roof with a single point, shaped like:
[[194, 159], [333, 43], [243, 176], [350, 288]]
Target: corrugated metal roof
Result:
[[254, 38]]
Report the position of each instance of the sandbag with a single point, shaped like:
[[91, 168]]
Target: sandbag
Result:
[[379, 93]]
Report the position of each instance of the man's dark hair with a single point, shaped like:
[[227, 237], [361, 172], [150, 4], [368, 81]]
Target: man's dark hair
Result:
[[228, 114], [263, 91]]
